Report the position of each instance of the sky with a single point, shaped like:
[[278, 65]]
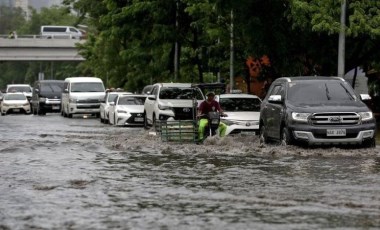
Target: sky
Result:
[[37, 4]]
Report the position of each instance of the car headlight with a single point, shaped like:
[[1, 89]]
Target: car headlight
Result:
[[26, 104], [300, 117], [164, 107], [121, 111], [366, 116], [42, 99]]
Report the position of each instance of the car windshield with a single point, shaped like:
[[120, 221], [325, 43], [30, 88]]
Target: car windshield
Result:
[[25, 89], [87, 87], [180, 93], [131, 100], [321, 91], [51, 87], [16, 97], [240, 104], [112, 97]]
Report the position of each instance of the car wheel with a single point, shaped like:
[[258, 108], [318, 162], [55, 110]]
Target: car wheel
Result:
[[156, 124], [263, 135], [69, 115], [106, 121], [286, 138], [146, 125]]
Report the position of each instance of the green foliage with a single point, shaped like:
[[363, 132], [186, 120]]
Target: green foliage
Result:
[[132, 43]]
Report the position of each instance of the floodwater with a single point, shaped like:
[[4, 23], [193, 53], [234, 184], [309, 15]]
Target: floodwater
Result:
[[60, 173]]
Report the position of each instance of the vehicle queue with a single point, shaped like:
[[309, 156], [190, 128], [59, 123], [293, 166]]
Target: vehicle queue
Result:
[[244, 113]]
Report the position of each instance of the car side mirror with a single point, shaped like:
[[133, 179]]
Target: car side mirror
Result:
[[152, 97], [365, 97], [112, 103], [36, 90], [277, 99], [66, 90]]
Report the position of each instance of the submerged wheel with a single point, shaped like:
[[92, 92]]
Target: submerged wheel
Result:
[[146, 125], [263, 135], [286, 138], [371, 143]]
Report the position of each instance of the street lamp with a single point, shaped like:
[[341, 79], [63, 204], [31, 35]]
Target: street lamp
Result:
[[342, 40]]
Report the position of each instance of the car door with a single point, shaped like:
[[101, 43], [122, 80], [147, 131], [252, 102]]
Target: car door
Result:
[[111, 110], [274, 112], [149, 104]]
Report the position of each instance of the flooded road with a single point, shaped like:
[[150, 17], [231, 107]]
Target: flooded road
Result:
[[60, 173]]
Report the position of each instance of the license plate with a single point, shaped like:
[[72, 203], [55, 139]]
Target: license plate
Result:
[[139, 119], [16, 110], [56, 107], [336, 132]]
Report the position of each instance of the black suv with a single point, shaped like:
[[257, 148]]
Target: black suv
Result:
[[316, 111], [46, 96]]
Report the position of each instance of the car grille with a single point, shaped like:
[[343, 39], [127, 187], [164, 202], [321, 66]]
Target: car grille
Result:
[[88, 101], [135, 115], [88, 106], [332, 119], [184, 113]]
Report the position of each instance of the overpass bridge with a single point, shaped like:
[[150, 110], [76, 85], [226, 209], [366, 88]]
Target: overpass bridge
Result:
[[36, 48]]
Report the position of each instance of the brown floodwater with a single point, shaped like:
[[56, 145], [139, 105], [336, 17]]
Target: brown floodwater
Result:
[[61, 173]]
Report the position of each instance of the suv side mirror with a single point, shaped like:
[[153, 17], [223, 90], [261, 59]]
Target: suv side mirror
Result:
[[36, 90], [275, 99], [112, 103]]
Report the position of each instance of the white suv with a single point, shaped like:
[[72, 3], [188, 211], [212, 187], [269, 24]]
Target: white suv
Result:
[[171, 100]]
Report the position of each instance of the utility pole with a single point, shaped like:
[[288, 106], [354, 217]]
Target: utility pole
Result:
[[232, 52], [176, 43], [342, 40]]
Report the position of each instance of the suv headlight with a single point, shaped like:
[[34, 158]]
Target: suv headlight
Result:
[[366, 116], [164, 107], [300, 117]]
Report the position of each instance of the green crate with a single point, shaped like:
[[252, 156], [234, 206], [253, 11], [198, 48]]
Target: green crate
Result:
[[178, 131]]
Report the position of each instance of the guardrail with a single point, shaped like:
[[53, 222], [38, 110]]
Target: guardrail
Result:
[[34, 36]]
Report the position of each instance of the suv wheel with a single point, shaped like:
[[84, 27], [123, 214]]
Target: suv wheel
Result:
[[263, 135], [286, 138], [371, 143]]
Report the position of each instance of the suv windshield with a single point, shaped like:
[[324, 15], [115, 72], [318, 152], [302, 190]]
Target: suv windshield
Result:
[[180, 93], [52, 87], [87, 87], [319, 91], [240, 104]]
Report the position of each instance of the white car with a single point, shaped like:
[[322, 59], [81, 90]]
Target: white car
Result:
[[14, 103], [171, 100], [26, 89], [243, 113], [105, 105], [127, 109]]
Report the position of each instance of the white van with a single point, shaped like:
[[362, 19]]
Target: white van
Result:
[[82, 95], [60, 32]]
